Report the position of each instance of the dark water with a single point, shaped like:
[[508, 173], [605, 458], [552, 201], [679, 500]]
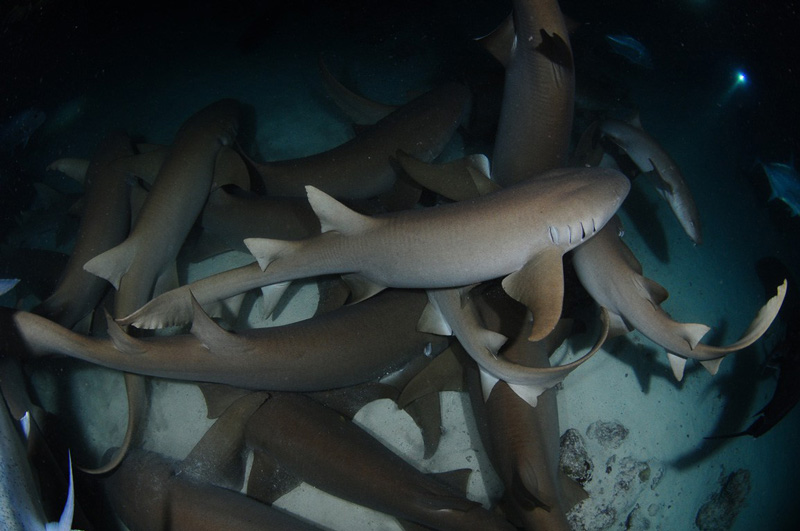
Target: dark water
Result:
[[93, 67]]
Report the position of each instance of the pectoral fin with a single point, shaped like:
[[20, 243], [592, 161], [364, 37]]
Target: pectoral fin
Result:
[[539, 285]]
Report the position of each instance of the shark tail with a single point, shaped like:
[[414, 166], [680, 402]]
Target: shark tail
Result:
[[112, 264], [137, 408]]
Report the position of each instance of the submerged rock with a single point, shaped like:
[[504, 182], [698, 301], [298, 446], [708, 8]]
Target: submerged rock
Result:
[[721, 509], [575, 461], [609, 434]]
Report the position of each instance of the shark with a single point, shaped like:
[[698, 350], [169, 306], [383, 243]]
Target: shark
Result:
[[613, 277], [314, 444], [200, 492], [179, 193], [362, 167], [650, 156], [519, 233], [536, 116], [144, 262], [104, 224], [20, 503], [294, 357], [523, 442], [631, 49], [453, 311], [784, 183]]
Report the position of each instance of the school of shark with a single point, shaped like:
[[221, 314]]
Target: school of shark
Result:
[[434, 273]]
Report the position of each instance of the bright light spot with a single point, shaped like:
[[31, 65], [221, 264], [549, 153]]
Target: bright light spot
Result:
[[741, 78]]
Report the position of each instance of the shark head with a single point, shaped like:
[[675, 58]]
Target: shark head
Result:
[[588, 199]]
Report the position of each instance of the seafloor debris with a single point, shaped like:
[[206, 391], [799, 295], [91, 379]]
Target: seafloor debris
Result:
[[721, 509], [609, 434], [575, 460]]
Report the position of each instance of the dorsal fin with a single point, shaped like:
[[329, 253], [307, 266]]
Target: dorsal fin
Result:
[[219, 396], [123, 342], [635, 120], [692, 333], [210, 334], [443, 373], [361, 288], [218, 455], [652, 290], [268, 481], [426, 412], [432, 321], [525, 488], [112, 264], [334, 216], [500, 42]]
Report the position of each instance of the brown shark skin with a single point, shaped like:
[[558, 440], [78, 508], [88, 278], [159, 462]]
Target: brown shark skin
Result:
[[648, 155], [428, 248], [105, 224], [317, 445], [613, 277], [522, 441], [171, 208], [147, 494], [346, 347], [536, 117], [361, 168], [232, 215]]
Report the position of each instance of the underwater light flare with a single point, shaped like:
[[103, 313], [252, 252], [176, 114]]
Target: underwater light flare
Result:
[[740, 79]]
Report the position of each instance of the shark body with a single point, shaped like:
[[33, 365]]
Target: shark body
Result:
[[785, 184], [536, 117], [104, 224], [613, 277], [361, 168], [509, 234], [311, 355], [649, 156]]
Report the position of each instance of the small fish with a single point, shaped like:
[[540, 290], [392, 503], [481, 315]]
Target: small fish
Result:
[[19, 128], [631, 49], [785, 183]]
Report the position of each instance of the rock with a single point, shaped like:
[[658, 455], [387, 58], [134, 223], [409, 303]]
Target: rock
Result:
[[632, 473], [575, 461], [720, 510], [637, 521], [609, 434]]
